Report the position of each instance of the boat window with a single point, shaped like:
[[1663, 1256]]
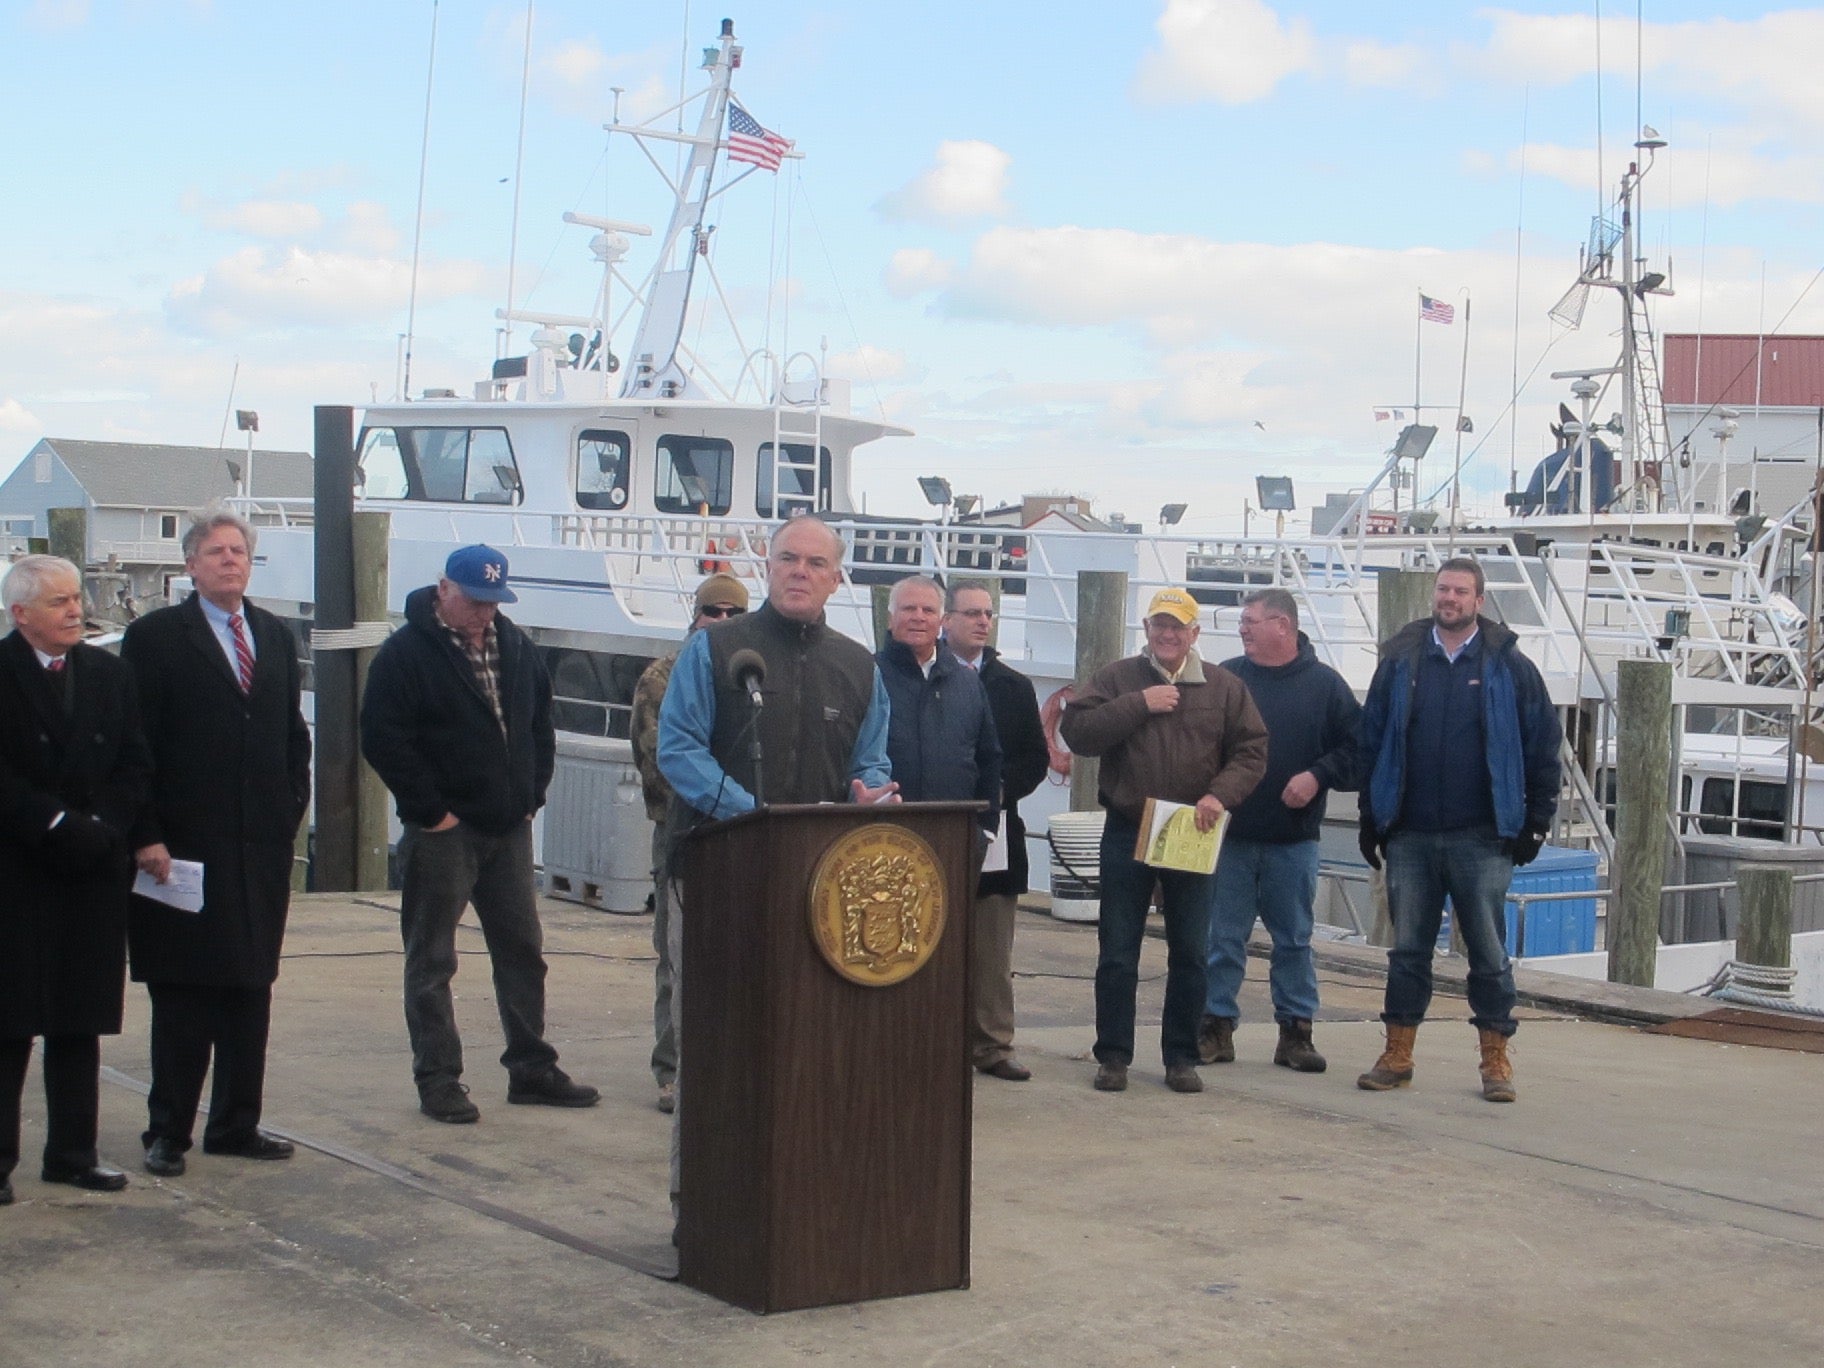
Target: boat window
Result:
[[602, 460], [695, 475], [442, 464], [1761, 811], [797, 491]]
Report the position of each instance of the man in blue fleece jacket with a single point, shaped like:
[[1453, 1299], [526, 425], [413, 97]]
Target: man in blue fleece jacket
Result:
[[1269, 857]]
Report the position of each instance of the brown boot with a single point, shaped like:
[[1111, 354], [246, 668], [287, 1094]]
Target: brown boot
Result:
[[1295, 1050], [1497, 1071], [1394, 1068], [1216, 1040]]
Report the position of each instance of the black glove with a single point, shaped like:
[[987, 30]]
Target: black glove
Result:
[[83, 845], [1370, 841], [1526, 846]]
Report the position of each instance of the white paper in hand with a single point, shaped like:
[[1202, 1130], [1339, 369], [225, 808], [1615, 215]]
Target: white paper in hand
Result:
[[182, 890], [996, 860]]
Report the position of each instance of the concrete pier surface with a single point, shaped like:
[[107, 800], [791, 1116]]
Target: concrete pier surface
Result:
[[1649, 1200]]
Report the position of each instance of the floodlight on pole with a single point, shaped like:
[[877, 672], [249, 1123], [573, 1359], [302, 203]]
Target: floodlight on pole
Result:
[[1172, 514], [937, 493], [248, 422]]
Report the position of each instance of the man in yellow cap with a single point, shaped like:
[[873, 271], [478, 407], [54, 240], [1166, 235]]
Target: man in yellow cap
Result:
[[718, 598], [1165, 725]]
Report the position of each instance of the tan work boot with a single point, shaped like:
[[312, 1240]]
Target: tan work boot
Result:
[[1295, 1050], [1394, 1068], [1216, 1040], [1497, 1070]]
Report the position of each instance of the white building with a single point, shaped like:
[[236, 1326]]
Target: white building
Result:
[[1760, 400]]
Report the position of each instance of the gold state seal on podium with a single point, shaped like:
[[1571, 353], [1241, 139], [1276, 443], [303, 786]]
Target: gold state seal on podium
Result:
[[877, 904]]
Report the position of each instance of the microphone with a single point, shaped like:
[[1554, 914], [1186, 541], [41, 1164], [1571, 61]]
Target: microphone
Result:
[[747, 672]]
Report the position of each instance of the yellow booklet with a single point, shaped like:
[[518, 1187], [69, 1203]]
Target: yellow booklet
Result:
[[1169, 838]]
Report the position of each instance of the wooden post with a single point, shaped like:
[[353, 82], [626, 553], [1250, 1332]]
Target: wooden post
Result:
[[337, 748], [879, 595], [1101, 636], [1643, 706], [372, 802], [1764, 934], [1400, 597]]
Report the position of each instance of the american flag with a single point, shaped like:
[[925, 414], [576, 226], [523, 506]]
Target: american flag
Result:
[[748, 142], [1436, 310]]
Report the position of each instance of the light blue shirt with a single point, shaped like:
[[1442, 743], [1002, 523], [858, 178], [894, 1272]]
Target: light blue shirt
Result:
[[217, 618], [688, 717], [1449, 654]]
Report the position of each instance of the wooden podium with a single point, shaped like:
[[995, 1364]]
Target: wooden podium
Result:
[[825, 1125]]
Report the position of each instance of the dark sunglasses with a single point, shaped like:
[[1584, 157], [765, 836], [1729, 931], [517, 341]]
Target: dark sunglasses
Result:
[[720, 611]]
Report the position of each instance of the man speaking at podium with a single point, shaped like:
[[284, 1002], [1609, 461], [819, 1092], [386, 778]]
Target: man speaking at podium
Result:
[[811, 697]]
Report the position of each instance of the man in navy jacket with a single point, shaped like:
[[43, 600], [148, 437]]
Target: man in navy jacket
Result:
[[1269, 857], [1459, 746]]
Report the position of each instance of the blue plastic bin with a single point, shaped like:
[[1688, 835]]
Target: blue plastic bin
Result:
[[1552, 928]]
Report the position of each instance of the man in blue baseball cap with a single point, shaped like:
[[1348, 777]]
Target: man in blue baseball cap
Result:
[[456, 720]]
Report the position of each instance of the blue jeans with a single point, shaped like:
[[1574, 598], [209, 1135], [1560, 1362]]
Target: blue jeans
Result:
[[1278, 884], [1473, 868], [1127, 890]]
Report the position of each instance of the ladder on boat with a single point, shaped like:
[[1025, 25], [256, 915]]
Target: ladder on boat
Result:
[[800, 471]]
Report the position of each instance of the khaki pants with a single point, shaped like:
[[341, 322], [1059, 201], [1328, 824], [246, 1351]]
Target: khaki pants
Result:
[[991, 968]]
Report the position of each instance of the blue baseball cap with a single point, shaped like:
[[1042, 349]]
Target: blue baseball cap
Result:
[[481, 573]]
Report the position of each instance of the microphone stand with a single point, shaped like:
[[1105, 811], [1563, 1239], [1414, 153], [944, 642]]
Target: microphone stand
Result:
[[753, 746]]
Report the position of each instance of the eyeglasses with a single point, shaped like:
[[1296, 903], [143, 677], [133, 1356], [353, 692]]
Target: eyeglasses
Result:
[[720, 610]]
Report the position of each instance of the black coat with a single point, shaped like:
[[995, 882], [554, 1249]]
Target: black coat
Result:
[[63, 913], [231, 781], [1024, 761], [429, 733]]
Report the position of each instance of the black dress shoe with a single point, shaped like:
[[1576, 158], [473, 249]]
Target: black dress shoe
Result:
[[96, 1178], [6, 1191], [259, 1145], [164, 1159], [1010, 1069]]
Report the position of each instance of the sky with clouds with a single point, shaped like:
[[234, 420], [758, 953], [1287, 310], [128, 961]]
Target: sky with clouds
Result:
[[1141, 252]]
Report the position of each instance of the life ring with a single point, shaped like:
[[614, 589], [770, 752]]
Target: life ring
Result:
[[1057, 754], [709, 564]]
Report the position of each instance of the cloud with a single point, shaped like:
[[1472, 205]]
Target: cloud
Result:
[[262, 290], [1735, 169], [870, 363], [265, 218], [577, 76], [916, 270], [968, 181], [1232, 51], [1390, 66], [17, 420]]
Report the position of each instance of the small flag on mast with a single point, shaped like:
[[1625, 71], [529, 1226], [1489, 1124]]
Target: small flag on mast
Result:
[[749, 142], [1436, 310]]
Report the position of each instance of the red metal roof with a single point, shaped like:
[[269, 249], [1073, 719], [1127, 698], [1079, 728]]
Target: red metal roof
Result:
[[1790, 373]]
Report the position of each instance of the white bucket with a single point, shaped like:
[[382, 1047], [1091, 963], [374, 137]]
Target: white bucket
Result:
[[1076, 863]]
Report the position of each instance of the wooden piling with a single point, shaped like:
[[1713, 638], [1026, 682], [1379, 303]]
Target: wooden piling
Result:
[[1643, 693], [1764, 934], [372, 534], [1101, 639]]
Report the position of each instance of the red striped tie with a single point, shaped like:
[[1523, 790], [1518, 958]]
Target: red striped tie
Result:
[[56, 665], [243, 654]]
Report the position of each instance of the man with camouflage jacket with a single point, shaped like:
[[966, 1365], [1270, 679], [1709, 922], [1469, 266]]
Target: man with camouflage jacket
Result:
[[718, 597]]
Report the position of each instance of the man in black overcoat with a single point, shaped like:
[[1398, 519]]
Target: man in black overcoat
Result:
[[73, 773], [219, 691]]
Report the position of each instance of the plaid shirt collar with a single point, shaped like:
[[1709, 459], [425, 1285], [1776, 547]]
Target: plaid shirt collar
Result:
[[485, 661]]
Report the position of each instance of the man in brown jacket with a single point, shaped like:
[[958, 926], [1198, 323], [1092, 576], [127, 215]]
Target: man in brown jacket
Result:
[[718, 597], [1168, 726]]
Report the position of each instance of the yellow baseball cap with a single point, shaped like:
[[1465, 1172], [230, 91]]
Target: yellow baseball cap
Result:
[[1175, 603]]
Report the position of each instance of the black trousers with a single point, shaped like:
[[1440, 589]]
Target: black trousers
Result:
[[188, 1022], [72, 1096]]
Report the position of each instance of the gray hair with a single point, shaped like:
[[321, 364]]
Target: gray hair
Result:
[[1276, 601], [963, 586], [837, 544], [25, 581], [910, 581], [208, 520]]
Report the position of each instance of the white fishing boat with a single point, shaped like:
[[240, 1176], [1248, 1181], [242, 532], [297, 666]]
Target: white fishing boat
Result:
[[617, 473]]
